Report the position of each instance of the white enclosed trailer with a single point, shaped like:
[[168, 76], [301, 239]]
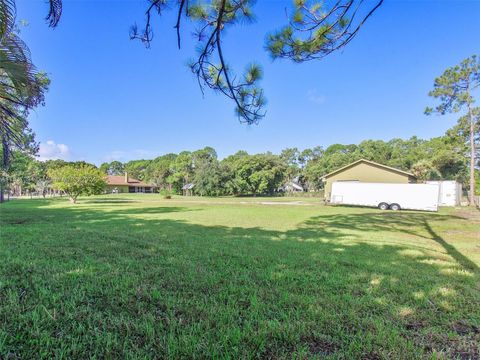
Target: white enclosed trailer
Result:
[[449, 194], [386, 196]]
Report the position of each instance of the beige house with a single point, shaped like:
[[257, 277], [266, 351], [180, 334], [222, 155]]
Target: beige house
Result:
[[125, 184], [366, 171]]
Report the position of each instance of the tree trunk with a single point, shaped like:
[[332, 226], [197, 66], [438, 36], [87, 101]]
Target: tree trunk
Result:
[[73, 200], [5, 163], [471, 198]]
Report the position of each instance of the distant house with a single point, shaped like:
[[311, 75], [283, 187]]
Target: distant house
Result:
[[187, 189], [126, 184], [366, 171], [292, 187]]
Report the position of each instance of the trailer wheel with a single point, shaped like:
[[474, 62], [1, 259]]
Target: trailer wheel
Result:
[[395, 207], [383, 206]]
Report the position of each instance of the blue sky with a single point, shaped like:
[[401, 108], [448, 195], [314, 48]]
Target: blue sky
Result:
[[112, 99]]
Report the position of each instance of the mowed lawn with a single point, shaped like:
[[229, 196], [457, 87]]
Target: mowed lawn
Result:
[[136, 276]]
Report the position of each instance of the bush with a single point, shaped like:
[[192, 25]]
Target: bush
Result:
[[166, 194]]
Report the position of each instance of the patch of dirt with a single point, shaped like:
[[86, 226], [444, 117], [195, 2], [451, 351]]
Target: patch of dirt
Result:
[[415, 326], [358, 292], [463, 346], [16, 222], [9, 356], [371, 356], [320, 346], [463, 328]]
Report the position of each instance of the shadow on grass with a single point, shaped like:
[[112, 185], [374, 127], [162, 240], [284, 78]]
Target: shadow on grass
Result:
[[409, 223], [148, 210], [157, 287], [450, 249], [109, 201], [82, 218]]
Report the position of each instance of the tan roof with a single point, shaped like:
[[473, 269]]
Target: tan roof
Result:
[[120, 180], [371, 163]]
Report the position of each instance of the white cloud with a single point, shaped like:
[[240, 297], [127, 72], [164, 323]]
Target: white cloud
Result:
[[316, 98], [50, 150]]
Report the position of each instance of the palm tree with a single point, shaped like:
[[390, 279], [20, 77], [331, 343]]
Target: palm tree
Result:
[[22, 87]]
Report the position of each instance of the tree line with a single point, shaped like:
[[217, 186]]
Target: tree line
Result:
[[440, 158]]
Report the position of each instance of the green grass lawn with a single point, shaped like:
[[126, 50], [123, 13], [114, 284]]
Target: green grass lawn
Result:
[[136, 276]]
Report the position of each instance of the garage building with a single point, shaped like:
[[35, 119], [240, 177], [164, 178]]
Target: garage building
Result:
[[366, 171]]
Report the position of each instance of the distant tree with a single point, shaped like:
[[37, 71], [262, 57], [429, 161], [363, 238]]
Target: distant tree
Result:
[[77, 180], [113, 168], [340, 149], [136, 168], [459, 135], [208, 178], [159, 171], [116, 168], [228, 167], [182, 171], [206, 172], [54, 164], [448, 157], [22, 172], [310, 154], [207, 153], [258, 174], [375, 150], [406, 153], [425, 170], [42, 186], [455, 89], [104, 167], [290, 158], [334, 157]]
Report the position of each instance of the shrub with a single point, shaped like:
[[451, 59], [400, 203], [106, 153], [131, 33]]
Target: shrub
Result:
[[166, 194]]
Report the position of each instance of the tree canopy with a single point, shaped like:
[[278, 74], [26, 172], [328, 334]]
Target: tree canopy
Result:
[[455, 90], [77, 180], [441, 158]]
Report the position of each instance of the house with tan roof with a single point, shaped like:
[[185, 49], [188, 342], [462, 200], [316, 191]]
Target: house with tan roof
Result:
[[366, 171], [125, 184]]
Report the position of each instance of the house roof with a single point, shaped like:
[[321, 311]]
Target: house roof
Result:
[[120, 180], [188, 186], [294, 185], [370, 163]]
